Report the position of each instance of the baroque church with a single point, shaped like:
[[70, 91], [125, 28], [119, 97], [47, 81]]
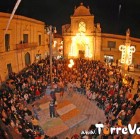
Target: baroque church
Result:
[[83, 38], [82, 35]]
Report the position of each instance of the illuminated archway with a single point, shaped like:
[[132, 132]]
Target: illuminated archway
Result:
[[80, 42]]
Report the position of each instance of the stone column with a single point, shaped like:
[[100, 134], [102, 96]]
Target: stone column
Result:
[[97, 47]]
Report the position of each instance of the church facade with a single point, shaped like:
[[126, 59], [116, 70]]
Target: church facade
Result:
[[83, 38], [80, 37]]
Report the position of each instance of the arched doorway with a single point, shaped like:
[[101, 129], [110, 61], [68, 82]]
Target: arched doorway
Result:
[[27, 59], [81, 46]]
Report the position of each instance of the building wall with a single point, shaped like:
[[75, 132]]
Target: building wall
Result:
[[120, 40], [67, 43], [16, 54]]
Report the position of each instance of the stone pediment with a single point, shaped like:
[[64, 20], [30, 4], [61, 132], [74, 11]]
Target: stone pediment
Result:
[[81, 11]]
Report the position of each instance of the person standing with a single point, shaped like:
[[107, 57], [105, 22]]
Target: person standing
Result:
[[52, 109], [37, 93], [61, 86], [35, 112], [53, 96], [132, 82], [70, 89]]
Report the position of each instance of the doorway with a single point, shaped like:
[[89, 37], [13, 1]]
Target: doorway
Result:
[[9, 68], [81, 54], [27, 59]]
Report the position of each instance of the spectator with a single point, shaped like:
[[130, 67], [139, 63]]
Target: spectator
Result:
[[35, 112], [52, 109]]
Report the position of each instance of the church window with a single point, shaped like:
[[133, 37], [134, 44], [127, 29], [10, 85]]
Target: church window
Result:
[[82, 27]]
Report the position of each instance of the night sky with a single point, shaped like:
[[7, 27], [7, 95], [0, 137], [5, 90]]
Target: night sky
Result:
[[115, 16]]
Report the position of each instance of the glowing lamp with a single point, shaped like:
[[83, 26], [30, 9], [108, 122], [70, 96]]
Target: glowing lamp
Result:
[[71, 62], [70, 65]]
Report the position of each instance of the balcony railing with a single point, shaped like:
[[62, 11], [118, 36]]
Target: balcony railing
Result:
[[26, 45], [109, 49]]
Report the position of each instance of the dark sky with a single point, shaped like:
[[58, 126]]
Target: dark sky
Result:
[[115, 16]]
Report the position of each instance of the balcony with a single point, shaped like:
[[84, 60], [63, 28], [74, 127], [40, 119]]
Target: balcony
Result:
[[109, 49], [26, 45]]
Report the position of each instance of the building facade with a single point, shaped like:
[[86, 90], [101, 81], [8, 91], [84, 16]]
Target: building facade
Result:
[[110, 44], [24, 42], [83, 38]]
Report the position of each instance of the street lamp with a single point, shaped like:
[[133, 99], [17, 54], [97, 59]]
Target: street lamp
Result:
[[51, 30]]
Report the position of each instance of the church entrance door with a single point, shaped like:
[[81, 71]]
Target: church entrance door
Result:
[[81, 53]]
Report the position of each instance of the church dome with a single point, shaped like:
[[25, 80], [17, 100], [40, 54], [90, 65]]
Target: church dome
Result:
[[81, 11]]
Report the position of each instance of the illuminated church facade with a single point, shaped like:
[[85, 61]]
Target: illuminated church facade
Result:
[[83, 38], [80, 36]]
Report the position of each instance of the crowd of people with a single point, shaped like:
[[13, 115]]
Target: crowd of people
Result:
[[17, 92], [110, 89], [88, 77]]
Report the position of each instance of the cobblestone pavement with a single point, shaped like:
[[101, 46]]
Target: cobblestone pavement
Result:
[[89, 109], [89, 114]]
